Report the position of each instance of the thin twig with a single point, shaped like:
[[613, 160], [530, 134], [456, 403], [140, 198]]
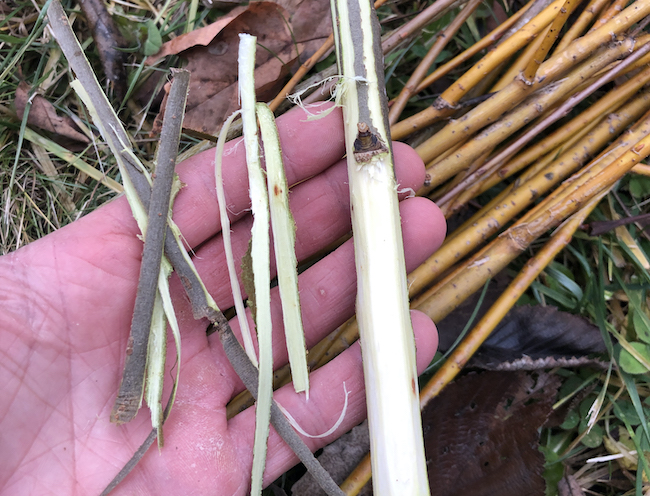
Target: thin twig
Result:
[[131, 389], [248, 374]]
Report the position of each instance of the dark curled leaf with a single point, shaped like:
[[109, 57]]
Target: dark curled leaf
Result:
[[109, 41], [534, 337], [481, 434]]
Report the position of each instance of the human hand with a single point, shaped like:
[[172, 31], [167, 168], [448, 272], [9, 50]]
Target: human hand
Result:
[[66, 304]]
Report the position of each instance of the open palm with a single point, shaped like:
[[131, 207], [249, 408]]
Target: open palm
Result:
[[65, 311]]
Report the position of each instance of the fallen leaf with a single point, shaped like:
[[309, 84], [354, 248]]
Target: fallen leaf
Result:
[[42, 114], [482, 432], [535, 337], [108, 41], [283, 35], [198, 37]]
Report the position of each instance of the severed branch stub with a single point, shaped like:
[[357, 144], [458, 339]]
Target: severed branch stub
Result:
[[367, 144]]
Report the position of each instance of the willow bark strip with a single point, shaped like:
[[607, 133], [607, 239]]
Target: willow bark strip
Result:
[[72, 159], [202, 303], [284, 243], [260, 255], [387, 340], [247, 372], [235, 288]]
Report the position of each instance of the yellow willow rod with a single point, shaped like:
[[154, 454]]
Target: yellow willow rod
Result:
[[584, 90], [513, 121], [565, 136], [452, 95], [522, 61], [506, 301], [613, 10], [463, 57], [491, 218], [443, 298], [538, 179], [549, 40], [420, 72], [580, 25], [477, 118]]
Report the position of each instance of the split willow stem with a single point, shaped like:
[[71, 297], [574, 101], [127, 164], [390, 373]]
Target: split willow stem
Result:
[[247, 372], [259, 256], [202, 303], [387, 340]]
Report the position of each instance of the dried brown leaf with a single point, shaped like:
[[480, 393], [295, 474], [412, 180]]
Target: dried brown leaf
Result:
[[108, 41], [43, 115], [481, 434], [198, 37], [211, 53]]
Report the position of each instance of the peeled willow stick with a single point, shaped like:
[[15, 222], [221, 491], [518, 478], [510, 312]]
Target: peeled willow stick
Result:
[[260, 257], [387, 340]]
